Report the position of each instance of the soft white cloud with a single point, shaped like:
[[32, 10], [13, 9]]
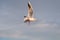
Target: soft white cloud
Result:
[[16, 34]]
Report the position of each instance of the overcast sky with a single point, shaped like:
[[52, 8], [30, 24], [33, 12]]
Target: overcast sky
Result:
[[47, 26]]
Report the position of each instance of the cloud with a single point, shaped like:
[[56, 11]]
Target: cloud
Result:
[[43, 31], [14, 34]]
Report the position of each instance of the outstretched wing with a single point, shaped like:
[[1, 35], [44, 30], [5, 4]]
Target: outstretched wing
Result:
[[30, 10]]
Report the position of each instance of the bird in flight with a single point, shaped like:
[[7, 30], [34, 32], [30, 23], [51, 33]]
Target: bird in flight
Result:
[[29, 18]]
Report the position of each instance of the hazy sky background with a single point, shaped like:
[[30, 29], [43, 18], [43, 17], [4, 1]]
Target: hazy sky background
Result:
[[12, 24]]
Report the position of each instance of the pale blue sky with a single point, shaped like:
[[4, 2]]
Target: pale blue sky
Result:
[[12, 24]]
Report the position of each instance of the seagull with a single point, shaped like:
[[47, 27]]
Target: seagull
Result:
[[29, 18]]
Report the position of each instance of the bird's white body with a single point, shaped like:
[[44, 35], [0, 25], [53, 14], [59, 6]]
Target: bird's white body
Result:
[[29, 17]]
